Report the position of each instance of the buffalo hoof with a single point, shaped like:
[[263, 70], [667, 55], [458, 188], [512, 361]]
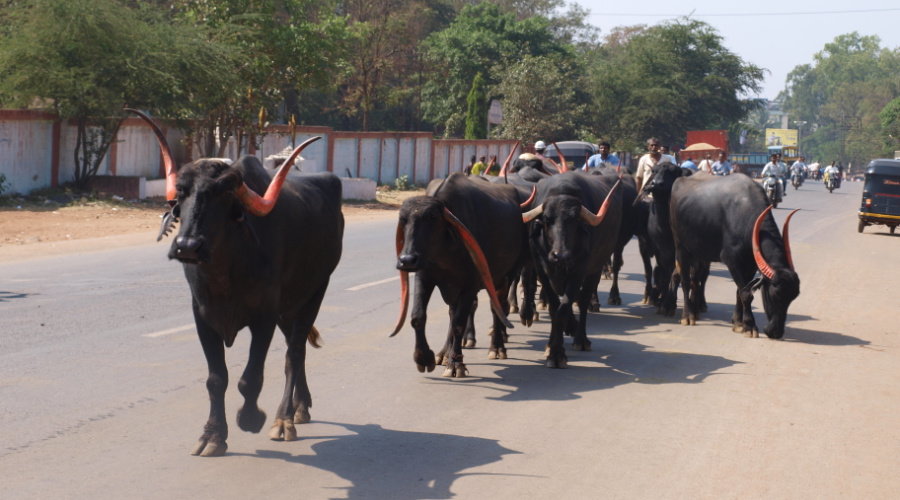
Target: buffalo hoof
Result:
[[458, 370], [251, 420], [497, 353], [302, 416], [582, 345], [424, 360], [594, 308], [614, 301], [645, 300], [442, 359], [469, 343], [210, 447], [751, 333], [283, 430], [557, 363], [688, 321], [513, 309]]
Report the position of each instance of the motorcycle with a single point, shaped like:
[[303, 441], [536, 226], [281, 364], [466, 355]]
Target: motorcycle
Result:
[[830, 182], [770, 184], [796, 180]]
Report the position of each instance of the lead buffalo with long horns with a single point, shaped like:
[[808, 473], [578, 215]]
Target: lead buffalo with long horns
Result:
[[728, 220], [254, 261]]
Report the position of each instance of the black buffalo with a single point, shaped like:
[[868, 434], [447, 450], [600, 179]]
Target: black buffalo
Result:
[[574, 231], [253, 261], [728, 220], [467, 235]]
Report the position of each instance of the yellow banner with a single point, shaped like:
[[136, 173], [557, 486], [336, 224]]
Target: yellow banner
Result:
[[781, 137]]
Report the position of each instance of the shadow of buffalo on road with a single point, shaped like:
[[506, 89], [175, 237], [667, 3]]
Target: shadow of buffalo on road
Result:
[[403, 465]]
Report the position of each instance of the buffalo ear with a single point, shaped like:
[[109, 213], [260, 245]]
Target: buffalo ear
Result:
[[230, 180]]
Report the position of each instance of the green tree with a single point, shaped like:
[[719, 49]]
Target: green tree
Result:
[[541, 100], [890, 125], [87, 59], [841, 95], [667, 79], [281, 47], [481, 39], [476, 117]]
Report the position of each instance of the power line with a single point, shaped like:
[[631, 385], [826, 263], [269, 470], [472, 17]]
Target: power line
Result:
[[753, 14]]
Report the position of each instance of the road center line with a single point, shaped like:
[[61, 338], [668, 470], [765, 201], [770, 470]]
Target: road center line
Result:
[[374, 283], [170, 331]]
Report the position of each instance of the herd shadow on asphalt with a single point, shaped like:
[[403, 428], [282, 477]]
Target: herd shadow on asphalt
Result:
[[402, 465]]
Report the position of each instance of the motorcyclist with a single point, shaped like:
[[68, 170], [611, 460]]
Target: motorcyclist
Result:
[[797, 170], [831, 171], [776, 169]]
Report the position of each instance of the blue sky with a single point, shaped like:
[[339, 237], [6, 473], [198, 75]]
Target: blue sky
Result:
[[777, 35]]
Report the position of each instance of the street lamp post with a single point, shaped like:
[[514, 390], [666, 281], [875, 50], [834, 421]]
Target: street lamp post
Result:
[[799, 124]]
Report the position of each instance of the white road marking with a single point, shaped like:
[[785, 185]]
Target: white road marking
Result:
[[177, 329], [374, 283]]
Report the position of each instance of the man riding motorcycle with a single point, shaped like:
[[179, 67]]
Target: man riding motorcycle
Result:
[[797, 171], [778, 171]]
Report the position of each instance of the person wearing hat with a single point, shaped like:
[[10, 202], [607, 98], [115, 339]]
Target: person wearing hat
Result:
[[535, 161]]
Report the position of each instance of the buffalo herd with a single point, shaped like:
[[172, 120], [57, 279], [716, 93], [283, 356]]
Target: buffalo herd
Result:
[[258, 251]]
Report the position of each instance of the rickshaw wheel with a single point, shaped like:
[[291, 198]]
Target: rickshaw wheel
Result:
[[893, 228], [862, 224]]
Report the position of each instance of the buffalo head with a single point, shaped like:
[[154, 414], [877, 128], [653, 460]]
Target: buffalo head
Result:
[[780, 284]]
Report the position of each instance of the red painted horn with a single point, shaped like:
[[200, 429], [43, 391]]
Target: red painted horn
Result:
[[262, 205], [757, 253], [530, 199], [480, 262], [168, 160], [595, 220], [562, 160], [787, 243], [509, 159], [404, 284]]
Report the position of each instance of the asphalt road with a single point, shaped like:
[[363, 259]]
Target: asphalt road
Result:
[[102, 389]]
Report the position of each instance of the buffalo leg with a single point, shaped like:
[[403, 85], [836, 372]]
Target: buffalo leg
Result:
[[455, 366], [469, 336], [499, 335], [614, 298], [701, 275], [296, 400], [742, 321], [580, 342], [422, 354], [212, 442], [684, 267], [645, 249], [528, 312], [249, 417], [512, 297]]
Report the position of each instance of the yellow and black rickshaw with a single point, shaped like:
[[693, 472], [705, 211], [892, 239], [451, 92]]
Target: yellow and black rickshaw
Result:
[[881, 195]]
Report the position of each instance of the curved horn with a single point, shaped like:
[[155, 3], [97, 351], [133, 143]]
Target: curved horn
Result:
[[595, 220], [562, 159], [404, 284], [757, 253], [168, 161], [530, 199], [509, 159], [480, 262], [787, 242], [262, 205], [533, 213]]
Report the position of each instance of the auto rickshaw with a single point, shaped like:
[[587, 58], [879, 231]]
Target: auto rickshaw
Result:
[[881, 195]]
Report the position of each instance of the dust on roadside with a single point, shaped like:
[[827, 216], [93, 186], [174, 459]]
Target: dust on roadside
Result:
[[64, 217]]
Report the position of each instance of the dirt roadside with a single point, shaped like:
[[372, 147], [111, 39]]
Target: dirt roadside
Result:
[[39, 228]]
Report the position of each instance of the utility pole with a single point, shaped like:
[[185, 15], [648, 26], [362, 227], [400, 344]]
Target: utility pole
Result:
[[799, 124]]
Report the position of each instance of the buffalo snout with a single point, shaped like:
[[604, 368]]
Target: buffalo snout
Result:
[[408, 262], [560, 256], [185, 248]]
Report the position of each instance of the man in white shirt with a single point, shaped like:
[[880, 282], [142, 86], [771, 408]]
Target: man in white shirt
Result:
[[705, 165], [646, 163]]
